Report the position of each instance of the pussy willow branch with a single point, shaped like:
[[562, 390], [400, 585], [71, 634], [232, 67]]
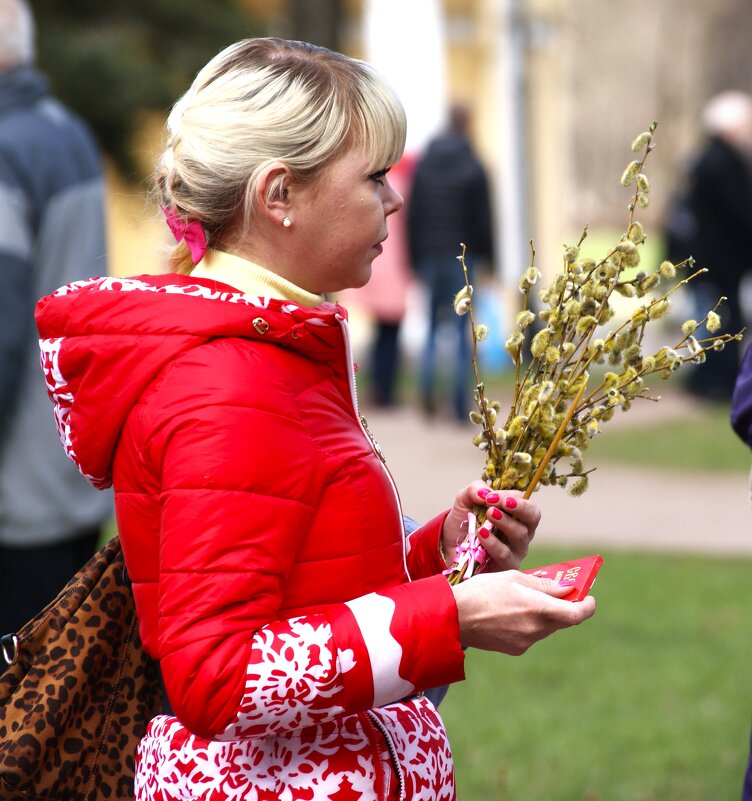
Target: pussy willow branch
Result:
[[518, 361], [554, 443], [479, 386], [648, 148], [612, 334]]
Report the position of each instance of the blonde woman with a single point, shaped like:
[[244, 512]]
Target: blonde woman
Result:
[[295, 623]]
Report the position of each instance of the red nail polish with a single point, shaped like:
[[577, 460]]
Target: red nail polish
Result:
[[492, 497], [483, 492], [495, 513], [511, 503], [483, 532], [567, 583]]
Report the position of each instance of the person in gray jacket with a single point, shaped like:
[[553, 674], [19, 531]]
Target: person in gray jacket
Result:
[[52, 231]]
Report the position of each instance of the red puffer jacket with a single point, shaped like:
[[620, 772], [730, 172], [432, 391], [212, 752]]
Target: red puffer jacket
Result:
[[294, 622]]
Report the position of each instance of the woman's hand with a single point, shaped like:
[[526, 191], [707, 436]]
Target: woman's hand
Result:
[[514, 520], [508, 612]]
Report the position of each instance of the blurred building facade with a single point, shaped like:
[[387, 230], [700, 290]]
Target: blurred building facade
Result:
[[557, 92], [580, 79]]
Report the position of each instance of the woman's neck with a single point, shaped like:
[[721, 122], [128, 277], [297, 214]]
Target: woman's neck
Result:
[[252, 278]]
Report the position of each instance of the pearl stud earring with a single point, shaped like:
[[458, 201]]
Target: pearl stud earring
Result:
[[286, 222]]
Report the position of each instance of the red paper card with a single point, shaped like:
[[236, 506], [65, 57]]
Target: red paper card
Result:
[[581, 571]]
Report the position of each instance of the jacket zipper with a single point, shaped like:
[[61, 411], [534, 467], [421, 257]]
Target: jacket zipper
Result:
[[392, 753], [391, 748], [366, 432]]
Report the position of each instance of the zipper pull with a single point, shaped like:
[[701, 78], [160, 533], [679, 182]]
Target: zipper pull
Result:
[[372, 439]]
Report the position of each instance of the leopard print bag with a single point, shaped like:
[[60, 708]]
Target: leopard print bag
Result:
[[78, 692]]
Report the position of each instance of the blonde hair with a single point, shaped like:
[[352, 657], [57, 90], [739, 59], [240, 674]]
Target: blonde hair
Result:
[[266, 100]]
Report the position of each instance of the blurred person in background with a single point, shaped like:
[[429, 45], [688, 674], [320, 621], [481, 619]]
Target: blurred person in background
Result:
[[52, 231], [449, 204], [711, 220]]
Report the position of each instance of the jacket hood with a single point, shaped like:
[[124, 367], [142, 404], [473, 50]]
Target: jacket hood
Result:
[[103, 341], [21, 86]]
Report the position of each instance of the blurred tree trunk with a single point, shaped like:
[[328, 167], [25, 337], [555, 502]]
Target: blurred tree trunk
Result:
[[317, 21], [729, 68]]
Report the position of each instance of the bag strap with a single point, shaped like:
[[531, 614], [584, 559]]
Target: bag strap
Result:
[[9, 648]]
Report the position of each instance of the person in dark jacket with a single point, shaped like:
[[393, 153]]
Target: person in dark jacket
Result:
[[712, 222], [52, 231], [741, 422], [449, 205]]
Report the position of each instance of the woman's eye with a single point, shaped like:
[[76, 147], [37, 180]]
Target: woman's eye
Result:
[[378, 176]]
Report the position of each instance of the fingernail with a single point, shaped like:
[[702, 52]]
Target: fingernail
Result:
[[483, 492], [495, 513], [483, 532], [492, 497], [510, 503], [567, 583]]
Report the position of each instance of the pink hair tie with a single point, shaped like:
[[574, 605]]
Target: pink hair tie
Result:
[[192, 232]]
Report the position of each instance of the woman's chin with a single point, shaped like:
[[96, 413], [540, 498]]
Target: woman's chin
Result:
[[361, 278]]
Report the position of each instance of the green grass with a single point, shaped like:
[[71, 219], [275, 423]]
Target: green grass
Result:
[[650, 700], [695, 443], [600, 241]]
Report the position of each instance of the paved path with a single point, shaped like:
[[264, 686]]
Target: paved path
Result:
[[624, 507]]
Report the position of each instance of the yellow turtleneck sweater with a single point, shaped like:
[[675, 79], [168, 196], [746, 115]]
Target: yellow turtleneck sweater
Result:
[[251, 279]]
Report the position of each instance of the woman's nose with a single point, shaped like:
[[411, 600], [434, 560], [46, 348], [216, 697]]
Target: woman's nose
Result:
[[394, 201]]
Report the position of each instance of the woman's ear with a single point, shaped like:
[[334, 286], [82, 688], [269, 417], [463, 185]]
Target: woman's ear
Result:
[[272, 192]]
